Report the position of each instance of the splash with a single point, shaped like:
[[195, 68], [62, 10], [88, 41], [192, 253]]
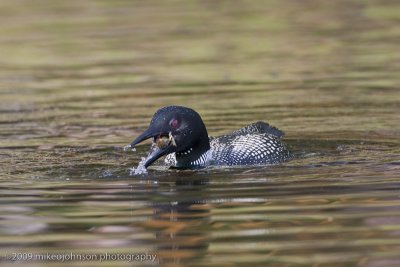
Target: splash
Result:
[[140, 169], [129, 148]]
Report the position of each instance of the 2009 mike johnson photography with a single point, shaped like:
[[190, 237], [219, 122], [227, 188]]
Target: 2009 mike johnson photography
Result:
[[73, 256]]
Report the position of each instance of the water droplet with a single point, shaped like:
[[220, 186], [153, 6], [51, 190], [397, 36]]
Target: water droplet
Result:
[[129, 148], [140, 169]]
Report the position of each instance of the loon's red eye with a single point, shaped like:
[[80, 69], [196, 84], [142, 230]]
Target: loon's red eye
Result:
[[174, 123]]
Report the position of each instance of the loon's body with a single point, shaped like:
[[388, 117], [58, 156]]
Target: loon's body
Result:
[[179, 133], [255, 144]]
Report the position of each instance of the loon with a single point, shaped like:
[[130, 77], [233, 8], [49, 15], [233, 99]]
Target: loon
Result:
[[179, 133]]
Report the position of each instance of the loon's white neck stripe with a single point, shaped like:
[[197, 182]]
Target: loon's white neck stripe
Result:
[[203, 159], [186, 152]]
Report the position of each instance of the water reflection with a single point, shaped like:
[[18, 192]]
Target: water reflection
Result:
[[17, 220], [180, 217]]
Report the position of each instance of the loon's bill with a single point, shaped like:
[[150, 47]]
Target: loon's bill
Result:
[[180, 133], [160, 149]]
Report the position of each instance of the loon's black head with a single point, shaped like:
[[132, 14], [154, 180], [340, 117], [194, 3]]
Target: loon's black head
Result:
[[176, 129]]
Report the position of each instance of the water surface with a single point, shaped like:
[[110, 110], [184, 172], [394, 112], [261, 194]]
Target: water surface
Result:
[[80, 80]]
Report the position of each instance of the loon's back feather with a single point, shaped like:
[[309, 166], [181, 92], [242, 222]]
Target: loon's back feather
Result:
[[259, 127], [257, 143]]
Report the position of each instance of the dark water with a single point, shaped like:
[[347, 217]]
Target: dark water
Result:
[[81, 79]]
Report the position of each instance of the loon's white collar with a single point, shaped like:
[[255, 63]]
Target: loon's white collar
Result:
[[202, 161]]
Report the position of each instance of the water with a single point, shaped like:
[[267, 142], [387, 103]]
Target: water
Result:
[[80, 80]]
